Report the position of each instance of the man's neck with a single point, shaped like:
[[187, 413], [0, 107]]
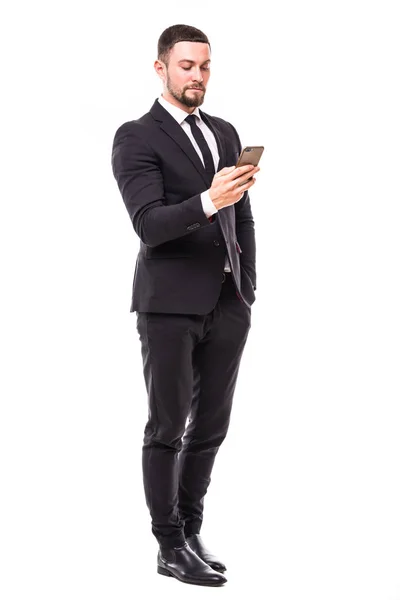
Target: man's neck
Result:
[[175, 102]]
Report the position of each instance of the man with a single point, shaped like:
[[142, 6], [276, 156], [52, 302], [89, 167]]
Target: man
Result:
[[193, 288]]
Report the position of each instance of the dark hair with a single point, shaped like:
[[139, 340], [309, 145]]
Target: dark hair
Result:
[[178, 33]]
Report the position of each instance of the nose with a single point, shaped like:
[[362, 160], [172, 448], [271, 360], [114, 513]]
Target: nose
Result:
[[197, 76]]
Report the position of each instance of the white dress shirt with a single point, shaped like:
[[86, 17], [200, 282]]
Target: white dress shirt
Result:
[[180, 115]]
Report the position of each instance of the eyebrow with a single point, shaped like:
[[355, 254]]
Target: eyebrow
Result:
[[192, 61]]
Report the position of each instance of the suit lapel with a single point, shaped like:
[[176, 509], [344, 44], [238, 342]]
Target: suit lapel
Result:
[[172, 128], [218, 136], [175, 131]]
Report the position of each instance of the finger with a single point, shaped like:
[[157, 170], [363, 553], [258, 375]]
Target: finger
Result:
[[240, 170], [247, 184], [241, 181], [225, 171], [245, 170], [253, 169], [243, 188]]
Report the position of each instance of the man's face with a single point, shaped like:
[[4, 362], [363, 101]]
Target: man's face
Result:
[[186, 78]]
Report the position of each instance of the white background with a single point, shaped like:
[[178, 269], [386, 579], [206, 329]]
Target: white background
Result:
[[305, 491]]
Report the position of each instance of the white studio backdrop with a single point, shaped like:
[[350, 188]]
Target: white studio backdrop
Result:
[[305, 491]]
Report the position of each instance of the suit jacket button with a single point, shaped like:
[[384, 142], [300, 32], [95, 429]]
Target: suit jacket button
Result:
[[216, 243]]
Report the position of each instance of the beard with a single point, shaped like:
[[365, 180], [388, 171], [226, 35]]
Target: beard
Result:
[[187, 99]]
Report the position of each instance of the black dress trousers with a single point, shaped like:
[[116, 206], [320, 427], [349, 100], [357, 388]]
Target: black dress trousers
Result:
[[190, 365]]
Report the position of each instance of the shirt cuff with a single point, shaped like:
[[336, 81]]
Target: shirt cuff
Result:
[[208, 204]]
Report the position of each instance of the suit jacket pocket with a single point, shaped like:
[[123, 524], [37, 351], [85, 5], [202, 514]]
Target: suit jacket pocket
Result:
[[159, 253], [242, 268]]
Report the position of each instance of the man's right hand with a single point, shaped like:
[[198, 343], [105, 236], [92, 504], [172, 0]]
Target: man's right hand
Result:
[[230, 183]]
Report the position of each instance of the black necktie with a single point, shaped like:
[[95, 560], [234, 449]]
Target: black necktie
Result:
[[205, 150]]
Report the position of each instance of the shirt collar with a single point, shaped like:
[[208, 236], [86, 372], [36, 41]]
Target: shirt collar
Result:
[[177, 113]]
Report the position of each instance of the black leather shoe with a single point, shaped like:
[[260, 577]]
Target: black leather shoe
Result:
[[183, 564], [197, 545]]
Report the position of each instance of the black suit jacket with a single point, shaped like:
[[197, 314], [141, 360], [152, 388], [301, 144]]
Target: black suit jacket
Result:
[[181, 258]]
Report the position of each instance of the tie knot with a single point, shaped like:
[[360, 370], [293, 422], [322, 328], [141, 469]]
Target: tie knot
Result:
[[191, 119]]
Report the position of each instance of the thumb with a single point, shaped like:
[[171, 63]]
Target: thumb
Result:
[[225, 171]]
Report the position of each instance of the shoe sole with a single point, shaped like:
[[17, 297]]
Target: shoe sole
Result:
[[164, 571]]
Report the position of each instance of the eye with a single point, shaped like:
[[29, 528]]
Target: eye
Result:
[[206, 68]]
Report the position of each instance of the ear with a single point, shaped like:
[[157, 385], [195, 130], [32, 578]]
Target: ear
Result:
[[160, 69]]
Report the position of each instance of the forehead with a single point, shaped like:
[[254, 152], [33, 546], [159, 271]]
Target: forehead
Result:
[[196, 51]]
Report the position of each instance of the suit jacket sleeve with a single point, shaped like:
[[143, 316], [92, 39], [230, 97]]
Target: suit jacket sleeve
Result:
[[245, 231], [137, 171]]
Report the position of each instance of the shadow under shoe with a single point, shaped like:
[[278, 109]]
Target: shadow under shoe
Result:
[[197, 545], [184, 564]]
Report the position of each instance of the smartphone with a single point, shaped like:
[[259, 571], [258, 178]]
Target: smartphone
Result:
[[250, 155]]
